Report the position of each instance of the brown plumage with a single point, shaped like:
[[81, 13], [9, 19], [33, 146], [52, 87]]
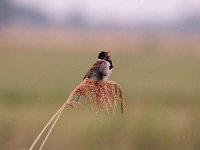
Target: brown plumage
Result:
[[99, 71], [94, 68]]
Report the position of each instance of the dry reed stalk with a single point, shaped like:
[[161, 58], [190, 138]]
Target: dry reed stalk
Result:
[[102, 95]]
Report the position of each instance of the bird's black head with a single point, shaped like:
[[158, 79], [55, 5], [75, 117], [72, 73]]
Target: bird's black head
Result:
[[103, 55]]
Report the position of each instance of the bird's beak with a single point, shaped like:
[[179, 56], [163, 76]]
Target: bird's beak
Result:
[[108, 54]]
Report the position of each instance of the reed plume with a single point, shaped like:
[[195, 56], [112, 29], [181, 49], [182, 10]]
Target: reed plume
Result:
[[102, 95]]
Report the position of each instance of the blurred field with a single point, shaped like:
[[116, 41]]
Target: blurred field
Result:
[[162, 99]]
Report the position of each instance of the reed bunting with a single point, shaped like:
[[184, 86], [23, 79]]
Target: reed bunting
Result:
[[102, 69]]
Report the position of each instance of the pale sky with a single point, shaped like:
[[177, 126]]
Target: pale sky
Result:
[[117, 9]]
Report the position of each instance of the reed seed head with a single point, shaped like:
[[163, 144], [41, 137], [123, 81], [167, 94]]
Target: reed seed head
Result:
[[102, 95]]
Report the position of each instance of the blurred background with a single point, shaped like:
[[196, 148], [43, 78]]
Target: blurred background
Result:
[[47, 46]]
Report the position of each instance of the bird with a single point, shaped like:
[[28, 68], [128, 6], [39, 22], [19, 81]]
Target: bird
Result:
[[101, 69]]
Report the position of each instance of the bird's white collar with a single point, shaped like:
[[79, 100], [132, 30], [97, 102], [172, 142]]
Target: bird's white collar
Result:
[[100, 60]]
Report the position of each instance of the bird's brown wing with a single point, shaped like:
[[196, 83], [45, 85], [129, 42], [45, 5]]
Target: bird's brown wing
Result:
[[93, 69]]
